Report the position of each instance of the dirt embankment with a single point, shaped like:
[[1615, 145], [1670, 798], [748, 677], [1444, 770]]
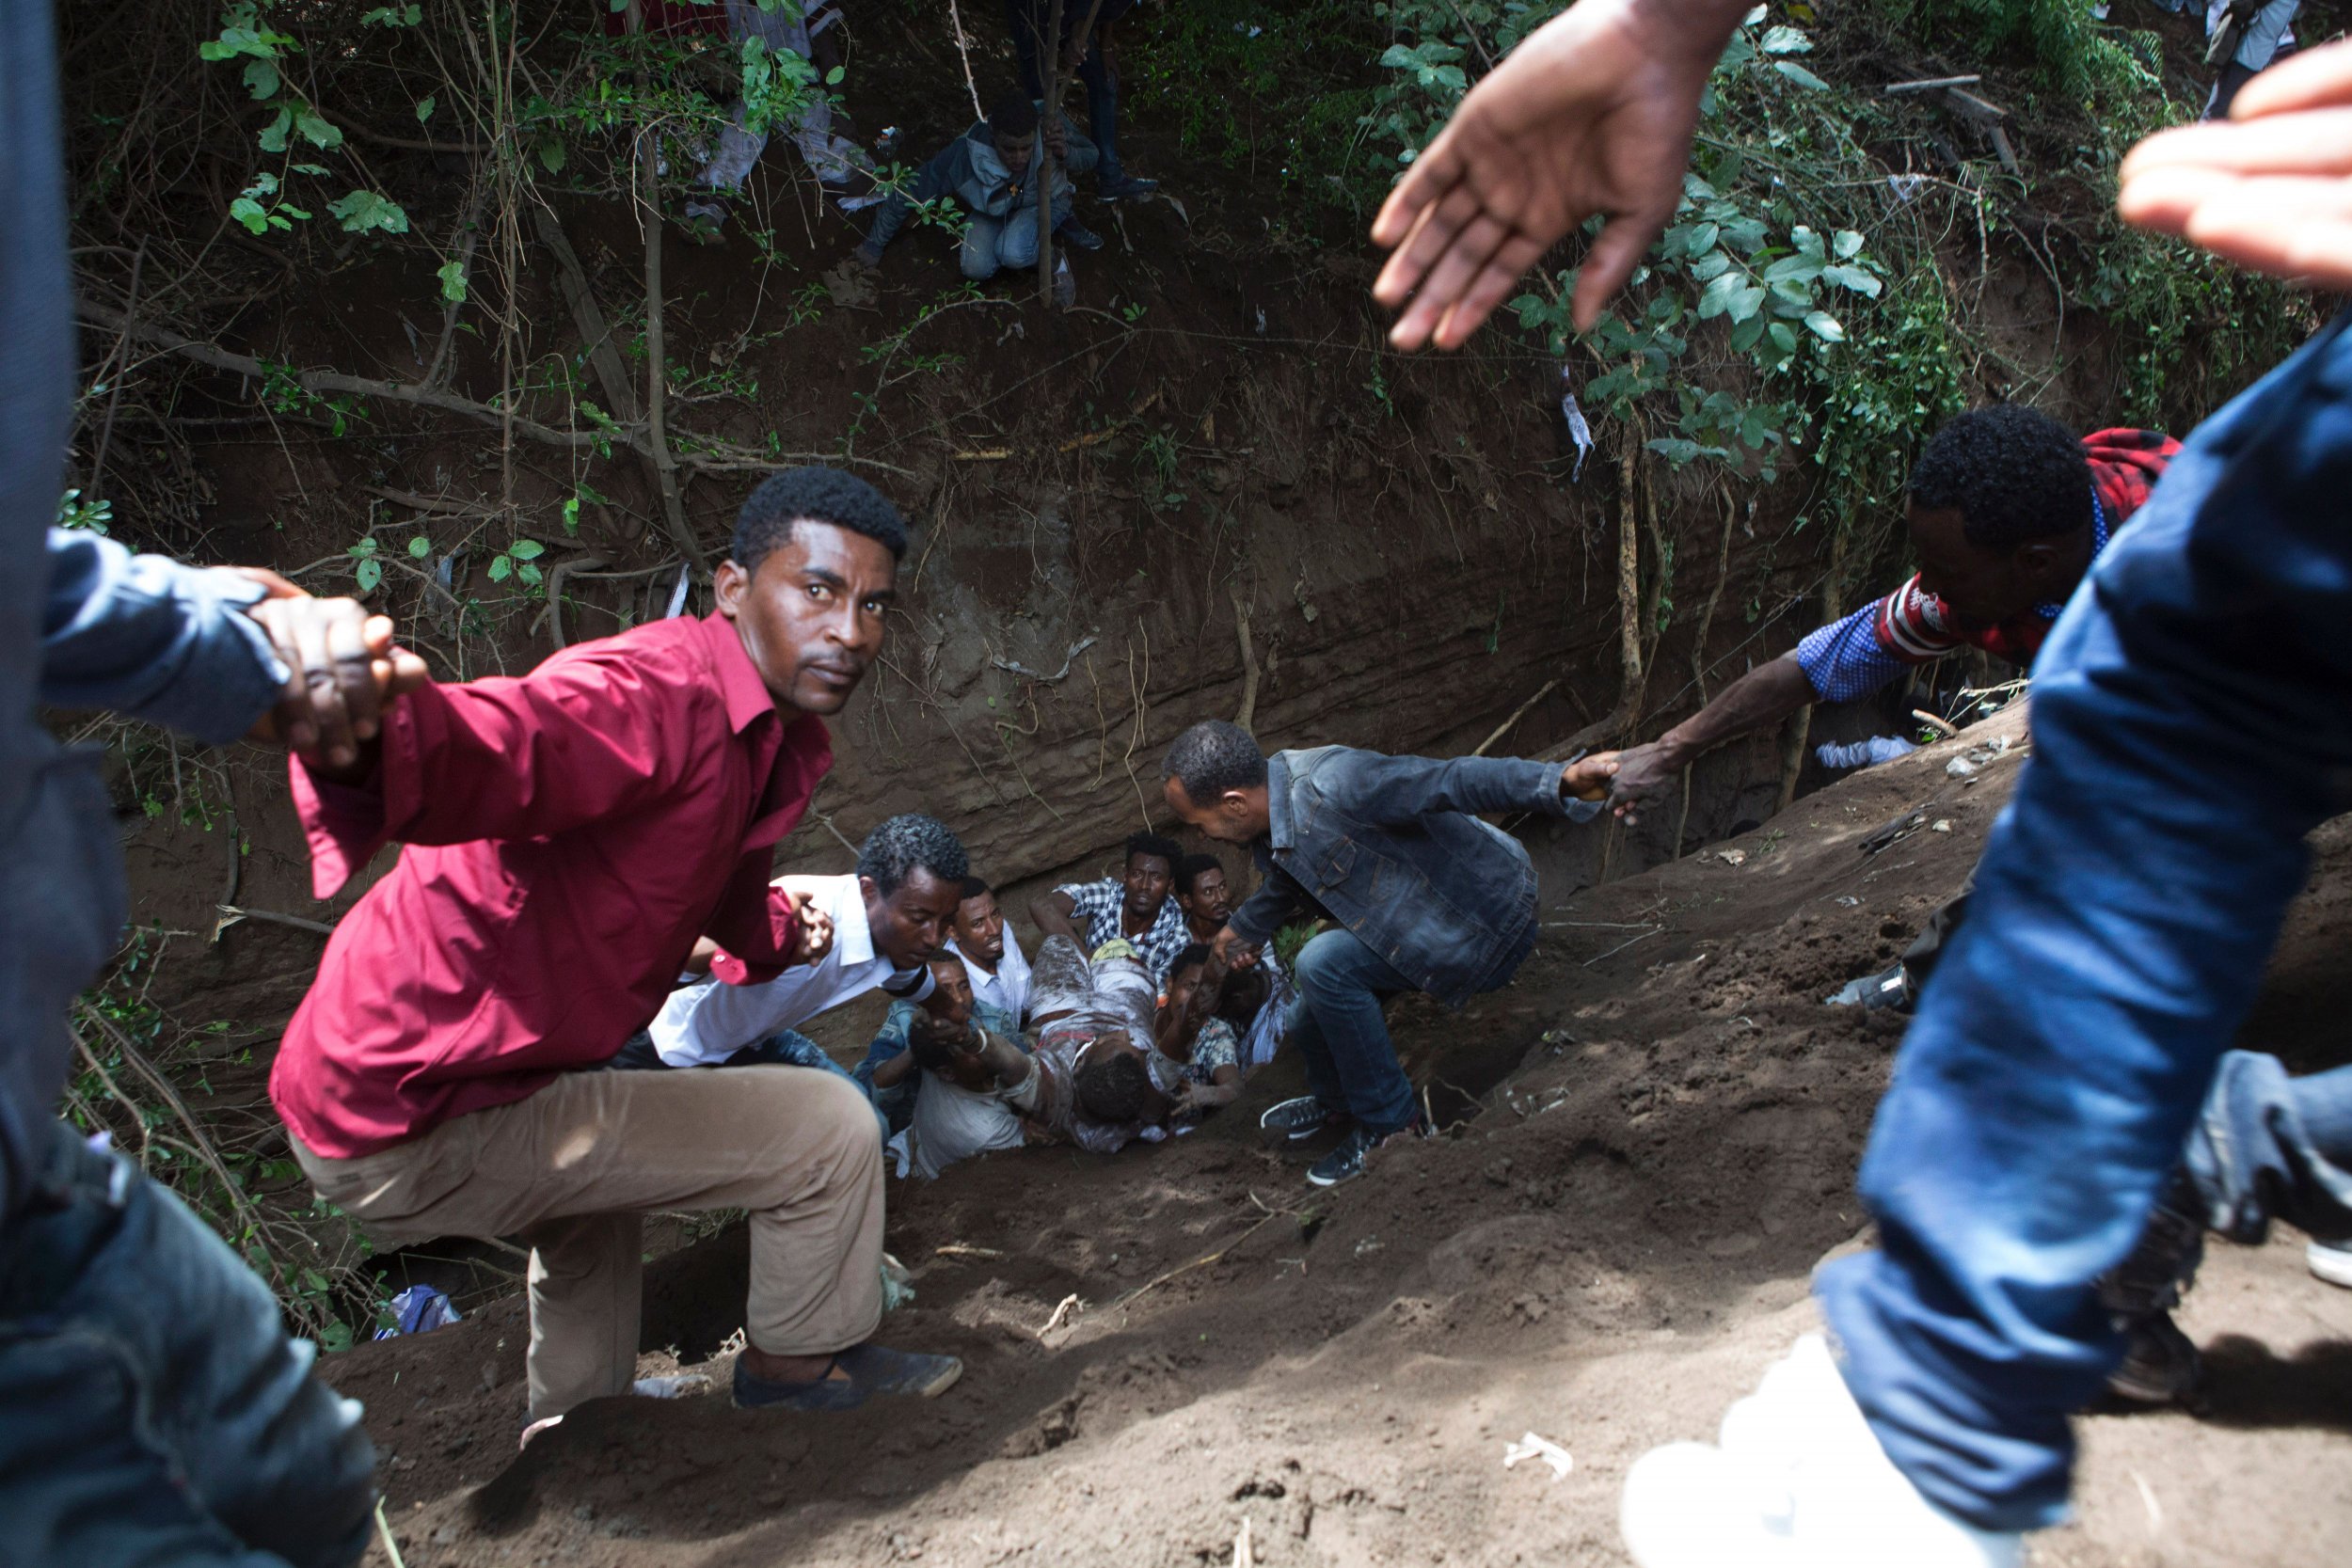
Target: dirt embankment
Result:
[[1653, 1138]]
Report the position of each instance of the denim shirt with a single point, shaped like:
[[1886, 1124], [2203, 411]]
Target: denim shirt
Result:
[[1391, 850], [83, 623]]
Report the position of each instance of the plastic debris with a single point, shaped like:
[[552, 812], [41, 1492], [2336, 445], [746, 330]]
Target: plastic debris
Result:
[[418, 1309], [1958, 768], [897, 1283], [1579, 431], [1733, 857], [1536, 1447], [1906, 186], [1941, 825], [1864, 753]]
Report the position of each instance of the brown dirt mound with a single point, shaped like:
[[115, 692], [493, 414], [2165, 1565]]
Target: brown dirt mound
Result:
[[1666, 1123]]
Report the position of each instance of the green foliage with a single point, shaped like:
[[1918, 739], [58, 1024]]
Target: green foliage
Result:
[[93, 516], [248, 35]]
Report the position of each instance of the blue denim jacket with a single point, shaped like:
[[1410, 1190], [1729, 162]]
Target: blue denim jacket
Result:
[[83, 623], [1391, 848]]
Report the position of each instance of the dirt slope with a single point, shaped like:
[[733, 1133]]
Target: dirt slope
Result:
[[1655, 1132]]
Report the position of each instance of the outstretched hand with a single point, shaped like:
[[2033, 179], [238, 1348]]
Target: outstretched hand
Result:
[[1647, 776], [344, 671], [1587, 778], [1592, 114], [2269, 188]]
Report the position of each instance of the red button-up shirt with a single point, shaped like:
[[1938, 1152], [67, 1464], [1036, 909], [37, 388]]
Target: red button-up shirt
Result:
[[569, 835]]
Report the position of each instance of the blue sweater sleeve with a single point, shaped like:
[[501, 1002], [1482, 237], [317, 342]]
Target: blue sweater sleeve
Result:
[[153, 639]]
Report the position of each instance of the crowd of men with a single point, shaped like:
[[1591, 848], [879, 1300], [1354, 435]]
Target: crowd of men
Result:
[[576, 995]]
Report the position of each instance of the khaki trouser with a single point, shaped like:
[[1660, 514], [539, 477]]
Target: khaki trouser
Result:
[[570, 1170]]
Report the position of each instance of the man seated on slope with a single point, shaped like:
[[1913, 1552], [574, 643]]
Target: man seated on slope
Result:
[[992, 172], [992, 959], [1134, 906], [1194, 1035]]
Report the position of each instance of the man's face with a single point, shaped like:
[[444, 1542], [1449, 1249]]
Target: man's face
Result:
[[1236, 816], [980, 930], [1014, 150], [951, 994], [811, 616], [1209, 899], [911, 925], [1982, 586], [1147, 880]]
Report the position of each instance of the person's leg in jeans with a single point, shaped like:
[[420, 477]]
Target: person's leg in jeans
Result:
[[2270, 1147], [152, 1408], [2189, 728], [1337, 1024], [983, 237], [1101, 84], [573, 1165]]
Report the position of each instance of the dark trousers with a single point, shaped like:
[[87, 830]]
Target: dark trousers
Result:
[[151, 1407], [1026, 21]]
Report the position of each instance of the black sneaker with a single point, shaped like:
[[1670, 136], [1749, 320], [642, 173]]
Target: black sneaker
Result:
[[1078, 235], [2160, 1364], [1302, 1118], [1128, 187], [1346, 1162]]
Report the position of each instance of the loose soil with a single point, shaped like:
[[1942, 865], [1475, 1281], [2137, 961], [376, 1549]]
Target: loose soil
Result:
[[1652, 1140]]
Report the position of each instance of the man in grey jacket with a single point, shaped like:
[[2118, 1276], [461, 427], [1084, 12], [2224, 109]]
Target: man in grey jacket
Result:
[[1421, 896], [995, 174]]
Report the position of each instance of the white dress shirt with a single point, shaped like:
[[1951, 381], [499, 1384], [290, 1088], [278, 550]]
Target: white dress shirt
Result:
[[1008, 988], [710, 1021]]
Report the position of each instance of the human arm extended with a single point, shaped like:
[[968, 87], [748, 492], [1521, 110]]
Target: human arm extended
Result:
[[1397, 790], [1757, 700], [1591, 115], [934, 180], [1052, 913]]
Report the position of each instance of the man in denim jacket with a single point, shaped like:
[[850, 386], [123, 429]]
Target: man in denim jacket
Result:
[[1421, 895]]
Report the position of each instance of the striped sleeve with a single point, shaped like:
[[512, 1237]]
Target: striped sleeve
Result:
[[1868, 649]]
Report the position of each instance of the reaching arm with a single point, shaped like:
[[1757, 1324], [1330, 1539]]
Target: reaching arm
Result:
[[935, 178], [1278, 901], [1398, 790], [1756, 701], [1591, 115], [1052, 911]]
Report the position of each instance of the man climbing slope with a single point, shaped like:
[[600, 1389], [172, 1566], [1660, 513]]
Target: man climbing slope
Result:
[[1422, 896]]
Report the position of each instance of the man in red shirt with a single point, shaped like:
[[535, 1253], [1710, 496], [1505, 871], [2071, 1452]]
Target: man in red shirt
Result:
[[2007, 511], [569, 835]]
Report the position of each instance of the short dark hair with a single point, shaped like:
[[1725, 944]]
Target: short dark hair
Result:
[[1212, 757], [1013, 114], [1156, 845], [817, 496], [1196, 954], [1244, 993], [1189, 869], [973, 887], [2014, 473], [892, 852], [1113, 1088]]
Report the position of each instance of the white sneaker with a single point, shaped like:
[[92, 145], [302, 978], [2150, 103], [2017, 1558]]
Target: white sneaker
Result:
[[2331, 1261], [1796, 1480]]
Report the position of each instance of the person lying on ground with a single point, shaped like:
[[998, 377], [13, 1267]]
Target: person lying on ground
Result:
[[2189, 731], [992, 959], [1095, 1080], [1092, 59], [2006, 511], [2266, 1147], [1134, 906], [887, 1073], [569, 836], [1421, 895], [967, 1070], [825, 139], [889, 919], [1194, 1036], [991, 172], [1207, 901]]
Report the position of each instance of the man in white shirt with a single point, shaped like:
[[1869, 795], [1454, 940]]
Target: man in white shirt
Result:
[[990, 953], [890, 918]]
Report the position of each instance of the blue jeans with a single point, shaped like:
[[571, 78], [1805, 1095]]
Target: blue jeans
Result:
[[2190, 725], [1102, 82], [1337, 1026], [2270, 1147], [152, 1408], [1005, 243], [895, 1104]]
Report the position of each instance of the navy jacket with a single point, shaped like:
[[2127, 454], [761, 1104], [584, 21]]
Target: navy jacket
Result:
[[1391, 848]]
